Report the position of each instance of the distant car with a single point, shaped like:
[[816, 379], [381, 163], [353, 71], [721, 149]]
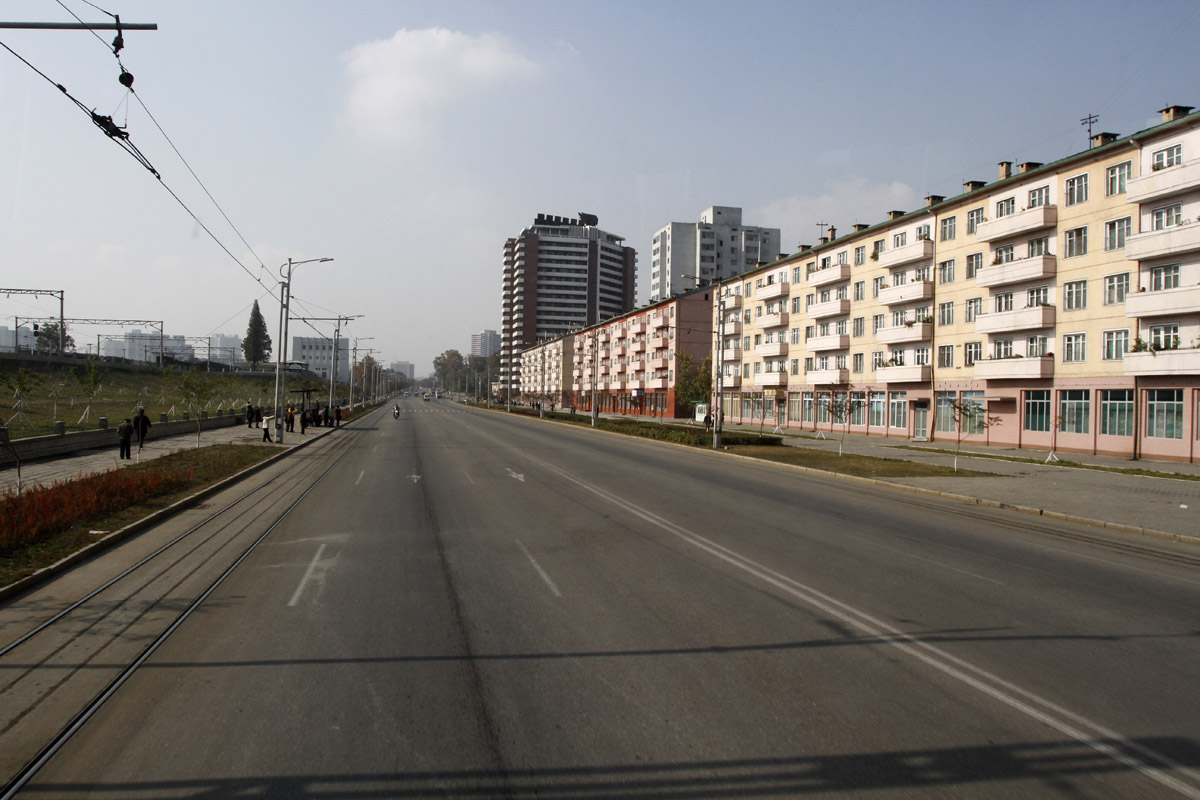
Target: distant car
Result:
[[439, 395], [425, 397]]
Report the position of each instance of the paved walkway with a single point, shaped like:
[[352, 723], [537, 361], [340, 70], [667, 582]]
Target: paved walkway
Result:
[[86, 462]]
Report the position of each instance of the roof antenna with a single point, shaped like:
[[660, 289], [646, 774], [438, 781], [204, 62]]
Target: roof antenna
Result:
[[1089, 120]]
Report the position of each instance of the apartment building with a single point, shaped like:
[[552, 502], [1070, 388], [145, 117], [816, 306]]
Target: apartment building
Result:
[[484, 343], [546, 372], [1057, 307], [560, 274], [685, 255], [317, 353]]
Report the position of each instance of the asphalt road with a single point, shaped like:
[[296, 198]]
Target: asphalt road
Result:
[[475, 605]]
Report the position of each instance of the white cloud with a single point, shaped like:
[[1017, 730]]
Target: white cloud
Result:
[[398, 85], [842, 203]]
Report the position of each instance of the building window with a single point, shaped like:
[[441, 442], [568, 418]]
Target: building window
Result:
[[1074, 348], [1035, 346], [947, 227], [1116, 177], [974, 217], [972, 308], [1166, 217], [877, 359], [946, 313], [1075, 295], [860, 290], [1116, 231], [1037, 296], [1037, 410], [1074, 411], [943, 416], [1077, 189], [1116, 345], [877, 284], [877, 404], [858, 408], [860, 255], [859, 326], [1164, 413], [1075, 242], [857, 362], [972, 352], [1004, 302], [1038, 246], [1006, 207], [1004, 254], [1116, 412], [946, 271], [921, 356], [922, 232], [945, 356], [1168, 157], [807, 407], [898, 410], [1039, 196], [1164, 277], [974, 263], [877, 322], [1115, 288], [1164, 336], [1002, 348]]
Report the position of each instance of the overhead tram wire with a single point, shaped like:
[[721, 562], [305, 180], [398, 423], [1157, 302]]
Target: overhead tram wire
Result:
[[117, 45]]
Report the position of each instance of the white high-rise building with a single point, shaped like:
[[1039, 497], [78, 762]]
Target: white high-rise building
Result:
[[686, 254], [316, 353], [405, 368], [484, 343], [226, 348]]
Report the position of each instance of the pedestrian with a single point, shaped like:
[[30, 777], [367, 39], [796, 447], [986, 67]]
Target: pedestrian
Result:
[[328, 417], [141, 426], [303, 419], [266, 426], [124, 435], [338, 414], [249, 415], [291, 420], [707, 420]]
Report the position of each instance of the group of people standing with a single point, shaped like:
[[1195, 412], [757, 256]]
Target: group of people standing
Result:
[[307, 416]]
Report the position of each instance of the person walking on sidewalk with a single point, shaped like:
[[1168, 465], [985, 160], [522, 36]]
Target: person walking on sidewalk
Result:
[[266, 426], [124, 435], [141, 426], [337, 412], [249, 415]]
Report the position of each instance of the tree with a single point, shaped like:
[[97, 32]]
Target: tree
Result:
[[46, 340], [256, 346], [447, 367], [841, 407], [970, 417], [693, 383]]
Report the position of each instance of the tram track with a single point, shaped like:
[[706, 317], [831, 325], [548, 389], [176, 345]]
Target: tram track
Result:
[[59, 670]]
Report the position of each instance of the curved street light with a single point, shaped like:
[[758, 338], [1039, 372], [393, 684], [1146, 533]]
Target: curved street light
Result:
[[285, 299]]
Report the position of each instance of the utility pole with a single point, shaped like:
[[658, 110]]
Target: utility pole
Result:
[[285, 301]]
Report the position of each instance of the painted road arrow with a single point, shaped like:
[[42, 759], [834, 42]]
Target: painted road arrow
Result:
[[516, 475]]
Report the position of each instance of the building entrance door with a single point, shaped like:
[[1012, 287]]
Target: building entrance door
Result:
[[921, 420]]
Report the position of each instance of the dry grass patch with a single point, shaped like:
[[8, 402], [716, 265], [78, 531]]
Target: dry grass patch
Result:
[[852, 464]]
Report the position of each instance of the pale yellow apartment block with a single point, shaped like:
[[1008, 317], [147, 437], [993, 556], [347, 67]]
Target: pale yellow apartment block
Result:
[[1057, 307]]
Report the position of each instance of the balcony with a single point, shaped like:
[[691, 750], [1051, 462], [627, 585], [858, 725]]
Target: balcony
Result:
[[731, 355], [1014, 369], [830, 308], [659, 343], [656, 383], [825, 377], [617, 350], [1168, 302], [1027, 221], [837, 341], [919, 250], [637, 347], [604, 369], [732, 301], [917, 373], [1024, 319], [661, 321], [731, 381], [772, 290], [733, 328], [899, 334], [834, 274], [771, 320], [635, 384], [906, 293], [1166, 242], [770, 379], [657, 363], [605, 338], [1161, 183], [771, 350], [637, 327], [1025, 269], [1163, 362]]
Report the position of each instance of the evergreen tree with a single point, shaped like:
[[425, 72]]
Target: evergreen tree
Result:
[[256, 346]]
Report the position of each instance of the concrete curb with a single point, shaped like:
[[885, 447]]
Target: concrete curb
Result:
[[137, 526], [959, 498]]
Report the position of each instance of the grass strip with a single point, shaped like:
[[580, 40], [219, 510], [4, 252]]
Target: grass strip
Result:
[[45, 524], [853, 464], [1058, 462]]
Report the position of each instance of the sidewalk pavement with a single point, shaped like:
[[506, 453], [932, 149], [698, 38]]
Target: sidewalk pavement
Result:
[[1159, 503], [86, 462]]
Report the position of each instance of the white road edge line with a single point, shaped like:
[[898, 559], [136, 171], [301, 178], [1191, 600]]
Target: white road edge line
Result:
[[1057, 717], [539, 569], [307, 574], [360, 477]]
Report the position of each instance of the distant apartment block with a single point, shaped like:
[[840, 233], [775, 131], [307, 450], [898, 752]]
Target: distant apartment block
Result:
[[21, 341], [1057, 307], [685, 255], [484, 343], [560, 274], [226, 348], [316, 352], [405, 368]]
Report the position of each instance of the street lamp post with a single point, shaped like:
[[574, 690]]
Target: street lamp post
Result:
[[285, 299]]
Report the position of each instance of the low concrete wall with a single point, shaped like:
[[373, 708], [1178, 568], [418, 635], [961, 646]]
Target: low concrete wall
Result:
[[62, 444]]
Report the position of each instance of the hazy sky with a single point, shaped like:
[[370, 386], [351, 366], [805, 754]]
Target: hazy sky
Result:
[[408, 140]]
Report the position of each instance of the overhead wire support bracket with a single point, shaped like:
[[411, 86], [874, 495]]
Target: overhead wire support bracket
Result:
[[80, 26]]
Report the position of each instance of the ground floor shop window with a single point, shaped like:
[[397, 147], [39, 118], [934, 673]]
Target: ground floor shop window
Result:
[[1116, 412], [877, 409], [794, 406], [1164, 413], [1074, 411], [808, 407], [726, 405], [758, 405], [823, 407], [858, 408], [974, 417], [898, 410], [944, 413], [1037, 410]]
